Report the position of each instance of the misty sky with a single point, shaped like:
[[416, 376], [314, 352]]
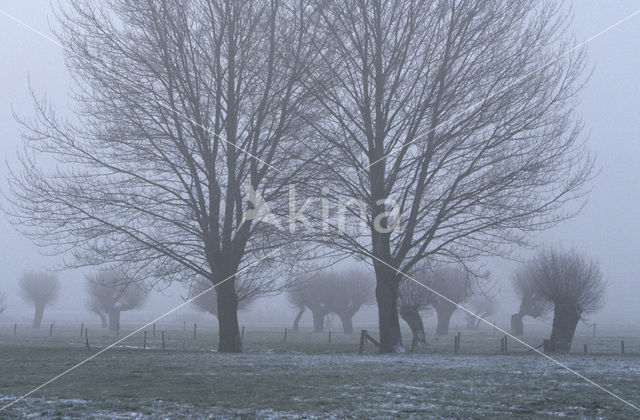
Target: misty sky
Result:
[[608, 228]]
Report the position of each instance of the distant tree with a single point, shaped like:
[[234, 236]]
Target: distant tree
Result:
[[573, 284], [297, 299], [326, 292], [39, 288], [311, 290], [112, 292], [207, 301], [413, 301], [344, 293], [531, 303], [452, 283], [3, 302], [482, 306]]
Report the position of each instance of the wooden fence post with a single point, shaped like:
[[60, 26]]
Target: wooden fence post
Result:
[[86, 337], [51, 330], [118, 329], [195, 329], [242, 333], [285, 336], [505, 345], [329, 337], [144, 346], [163, 347], [81, 329], [363, 339], [622, 346]]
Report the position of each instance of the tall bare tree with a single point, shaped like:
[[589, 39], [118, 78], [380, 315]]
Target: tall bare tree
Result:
[[180, 108], [460, 112], [531, 303], [573, 284], [39, 288], [112, 292]]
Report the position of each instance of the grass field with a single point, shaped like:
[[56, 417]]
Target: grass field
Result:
[[307, 377]]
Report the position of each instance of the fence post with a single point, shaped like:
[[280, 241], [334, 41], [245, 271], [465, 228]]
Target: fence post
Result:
[[585, 349], [285, 336], [144, 346], [363, 339], [455, 344], [505, 345], [458, 344], [594, 330], [622, 346], [118, 329], [502, 345], [329, 337], [163, 340], [86, 338], [242, 333], [195, 328], [51, 330], [184, 325], [81, 329]]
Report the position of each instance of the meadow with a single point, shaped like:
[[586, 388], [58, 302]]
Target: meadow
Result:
[[308, 377]]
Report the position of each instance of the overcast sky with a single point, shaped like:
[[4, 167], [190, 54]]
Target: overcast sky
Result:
[[608, 228]]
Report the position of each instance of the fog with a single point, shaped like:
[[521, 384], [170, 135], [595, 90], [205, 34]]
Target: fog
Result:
[[608, 228]]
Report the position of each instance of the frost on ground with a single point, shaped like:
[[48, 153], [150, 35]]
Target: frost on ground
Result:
[[129, 384]]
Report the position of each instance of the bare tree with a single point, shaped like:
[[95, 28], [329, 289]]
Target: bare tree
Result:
[[454, 284], [482, 306], [184, 108], [452, 121], [39, 288], [531, 303], [112, 292], [297, 298], [573, 284], [309, 290], [414, 300], [345, 292]]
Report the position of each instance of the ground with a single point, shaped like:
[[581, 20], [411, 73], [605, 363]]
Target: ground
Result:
[[307, 377]]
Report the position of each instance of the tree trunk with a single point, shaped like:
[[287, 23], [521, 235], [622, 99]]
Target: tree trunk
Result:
[[37, 318], [229, 332], [114, 319], [414, 321], [103, 320], [389, 322], [565, 320], [296, 321], [517, 326], [347, 322], [318, 320], [444, 312]]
